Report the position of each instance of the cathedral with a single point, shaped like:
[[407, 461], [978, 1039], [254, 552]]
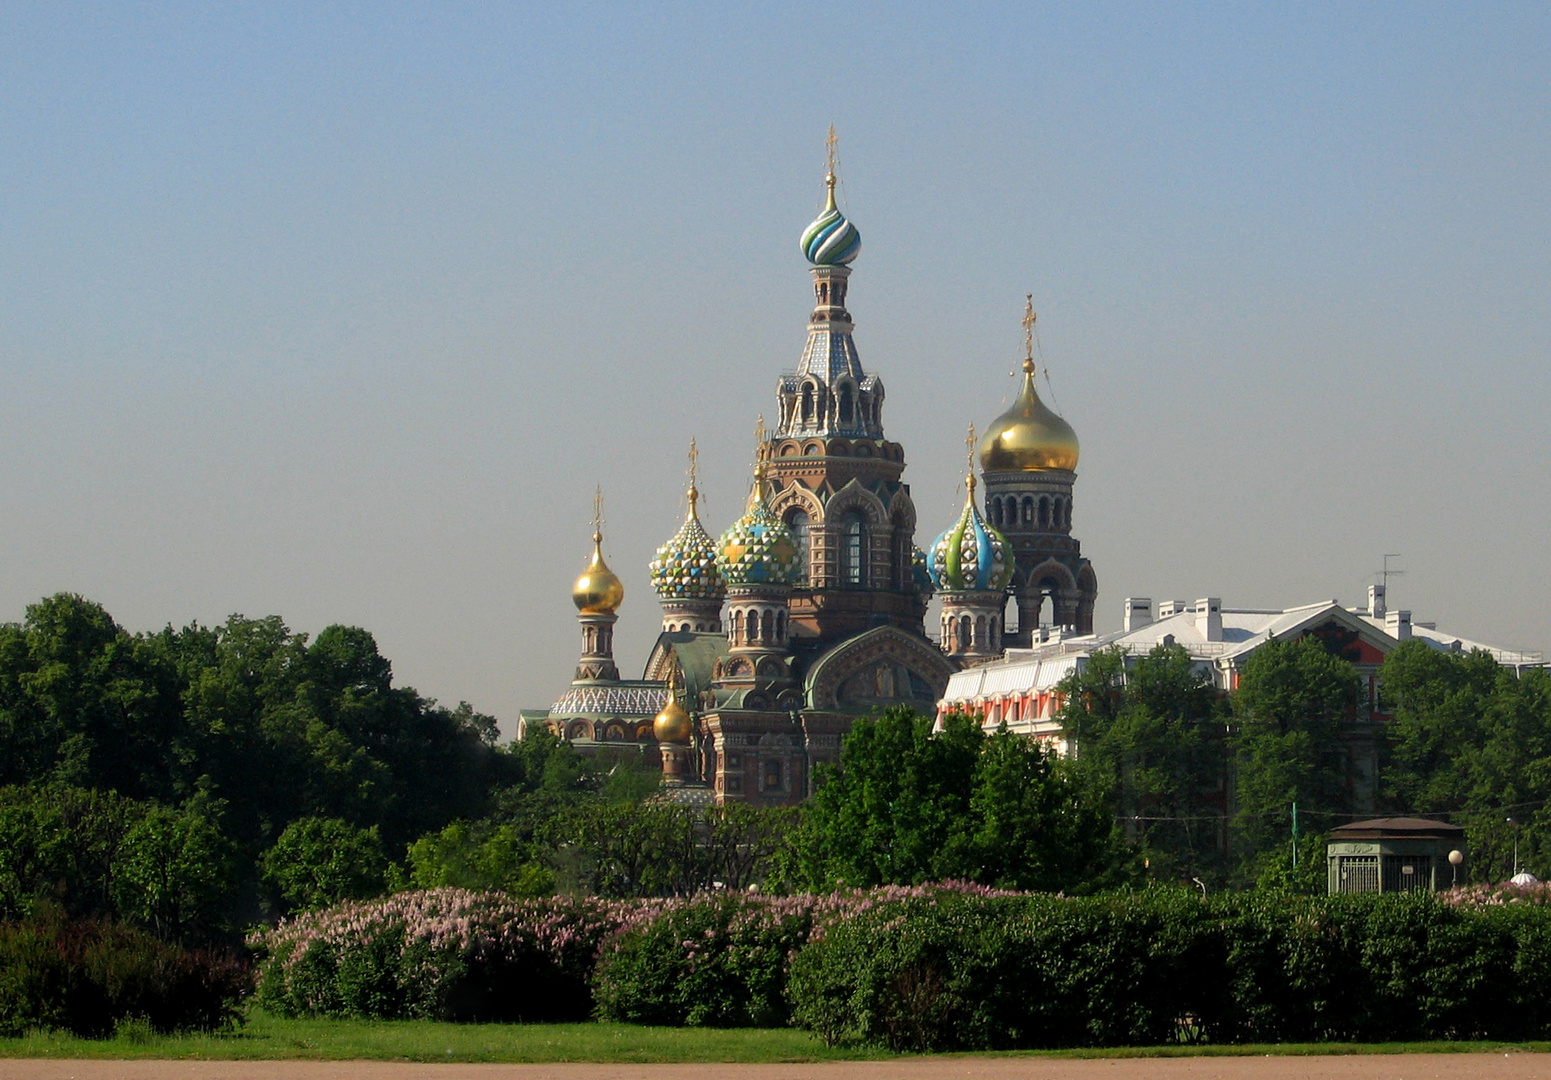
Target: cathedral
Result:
[[809, 610]]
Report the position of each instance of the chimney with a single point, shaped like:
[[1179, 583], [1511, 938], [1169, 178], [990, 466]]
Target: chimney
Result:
[[1209, 618], [1376, 601], [1138, 613], [1167, 608], [1398, 625]]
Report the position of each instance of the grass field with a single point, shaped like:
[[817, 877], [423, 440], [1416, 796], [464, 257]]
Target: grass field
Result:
[[266, 1037]]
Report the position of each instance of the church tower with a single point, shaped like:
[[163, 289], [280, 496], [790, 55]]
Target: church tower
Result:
[[834, 480], [597, 595], [1029, 459]]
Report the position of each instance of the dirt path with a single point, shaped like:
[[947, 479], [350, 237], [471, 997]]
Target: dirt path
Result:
[[1482, 1066]]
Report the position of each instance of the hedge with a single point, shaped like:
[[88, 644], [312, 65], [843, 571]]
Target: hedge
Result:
[[939, 967], [88, 976]]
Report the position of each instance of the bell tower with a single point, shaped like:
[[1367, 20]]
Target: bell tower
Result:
[[1029, 460], [834, 479]]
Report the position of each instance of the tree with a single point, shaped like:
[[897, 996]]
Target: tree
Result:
[[317, 862], [1292, 700], [175, 874], [1149, 732], [479, 856], [907, 806]]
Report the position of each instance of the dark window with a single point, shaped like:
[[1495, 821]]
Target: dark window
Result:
[[797, 521], [853, 546]]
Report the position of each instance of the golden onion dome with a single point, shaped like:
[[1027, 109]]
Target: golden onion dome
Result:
[[598, 591], [1028, 437], [672, 724]]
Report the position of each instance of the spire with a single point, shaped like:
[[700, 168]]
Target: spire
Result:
[[598, 591], [830, 142], [694, 492], [969, 452], [1028, 334]]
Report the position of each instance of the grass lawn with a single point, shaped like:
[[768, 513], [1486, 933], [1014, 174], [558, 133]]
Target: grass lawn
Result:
[[268, 1037]]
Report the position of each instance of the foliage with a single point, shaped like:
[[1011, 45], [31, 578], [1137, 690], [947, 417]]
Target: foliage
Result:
[[89, 976], [1139, 969], [481, 857], [441, 954], [719, 961], [199, 747], [1292, 699], [1472, 740], [317, 862], [1149, 731], [908, 805]]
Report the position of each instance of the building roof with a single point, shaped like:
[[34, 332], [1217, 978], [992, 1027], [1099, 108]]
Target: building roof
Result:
[[1214, 635], [1392, 828]]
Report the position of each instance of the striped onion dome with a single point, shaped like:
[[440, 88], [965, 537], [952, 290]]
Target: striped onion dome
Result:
[[685, 567], [971, 555], [758, 549], [831, 240]]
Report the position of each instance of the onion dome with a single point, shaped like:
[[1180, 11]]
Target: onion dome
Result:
[[971, 556], [672, 725], [919, 572], [1028, 437], [831, 240], [598, 591], [685, 567], [758, 549]]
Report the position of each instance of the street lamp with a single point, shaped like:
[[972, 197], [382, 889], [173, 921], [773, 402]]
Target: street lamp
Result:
[[1455, 858]]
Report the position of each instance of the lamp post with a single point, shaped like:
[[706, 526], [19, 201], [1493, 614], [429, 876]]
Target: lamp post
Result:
[[1455, 858]]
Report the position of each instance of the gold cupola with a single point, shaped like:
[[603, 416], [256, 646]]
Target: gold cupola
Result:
[[1028, 437], [673, 724], [598, 591]]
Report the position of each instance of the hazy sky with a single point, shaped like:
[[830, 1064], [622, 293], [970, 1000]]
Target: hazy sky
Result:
[[340, 311]]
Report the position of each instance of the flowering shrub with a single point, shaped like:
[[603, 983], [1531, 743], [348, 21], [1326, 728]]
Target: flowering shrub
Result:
[[443, 954], [1502, 893], [715, 958]]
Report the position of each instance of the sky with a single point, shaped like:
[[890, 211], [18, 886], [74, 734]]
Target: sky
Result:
[[340, 312]]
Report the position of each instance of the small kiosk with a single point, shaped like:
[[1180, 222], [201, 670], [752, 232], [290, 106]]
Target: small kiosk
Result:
[[1398, 854]]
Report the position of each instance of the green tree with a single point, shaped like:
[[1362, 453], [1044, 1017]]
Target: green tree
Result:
[[317, 862], [1149, 731], [175, 874], [907, 805], [479, 856], [1291, 704]]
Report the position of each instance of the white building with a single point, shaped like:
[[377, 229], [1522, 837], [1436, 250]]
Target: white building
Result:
[[1021, 687]]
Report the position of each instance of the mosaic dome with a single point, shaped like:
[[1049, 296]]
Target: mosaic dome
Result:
[[685, 567], [758, 549], [971, 555]]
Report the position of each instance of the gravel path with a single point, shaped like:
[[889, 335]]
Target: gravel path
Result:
[[1482, 1066]]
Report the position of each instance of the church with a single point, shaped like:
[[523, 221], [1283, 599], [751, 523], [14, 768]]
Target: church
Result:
[[809, 610]]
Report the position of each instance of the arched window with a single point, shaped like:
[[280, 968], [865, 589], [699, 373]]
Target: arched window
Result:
[[853, 547], [807, 403], [964, 634], [1028, 510], [845, 404], [797, 520], [1044, 513]]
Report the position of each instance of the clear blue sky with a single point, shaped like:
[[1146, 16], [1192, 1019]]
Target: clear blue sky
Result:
[[340, 311]]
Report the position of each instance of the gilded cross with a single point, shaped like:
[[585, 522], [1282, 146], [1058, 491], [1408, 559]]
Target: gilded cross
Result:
[[831, 141], [1028, 331]]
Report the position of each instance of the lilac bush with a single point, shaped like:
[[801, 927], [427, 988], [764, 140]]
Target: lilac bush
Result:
[[715, 958]]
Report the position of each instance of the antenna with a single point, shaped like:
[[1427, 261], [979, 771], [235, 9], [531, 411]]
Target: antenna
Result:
[[1387, 573]]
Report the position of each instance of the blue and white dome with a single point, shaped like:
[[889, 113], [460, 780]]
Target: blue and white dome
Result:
[[970, 556], [831, 240]]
